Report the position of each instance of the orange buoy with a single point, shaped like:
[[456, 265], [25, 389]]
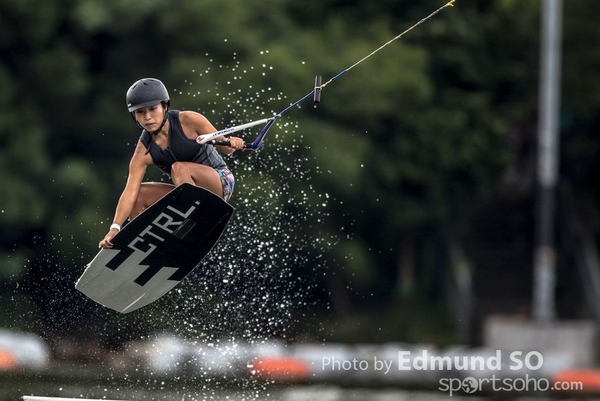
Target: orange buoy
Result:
[[280, 368], [586, 380], [8, 360]]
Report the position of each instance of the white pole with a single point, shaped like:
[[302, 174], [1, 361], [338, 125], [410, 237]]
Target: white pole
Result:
[[548, 155]]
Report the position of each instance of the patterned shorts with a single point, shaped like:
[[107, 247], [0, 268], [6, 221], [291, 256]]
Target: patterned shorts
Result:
[[227, 180]]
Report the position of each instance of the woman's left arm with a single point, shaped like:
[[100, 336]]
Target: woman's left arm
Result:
[[195, 124]]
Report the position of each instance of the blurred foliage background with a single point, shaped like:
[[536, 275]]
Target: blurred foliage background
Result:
[[399, 153]]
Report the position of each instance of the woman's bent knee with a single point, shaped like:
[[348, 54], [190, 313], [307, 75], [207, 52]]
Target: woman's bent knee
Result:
[[180, 173], [149, 193]]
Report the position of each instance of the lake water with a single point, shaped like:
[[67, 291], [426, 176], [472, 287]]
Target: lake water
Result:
[[14, 387]]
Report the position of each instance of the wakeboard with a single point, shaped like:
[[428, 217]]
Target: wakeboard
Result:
[[156, 250]]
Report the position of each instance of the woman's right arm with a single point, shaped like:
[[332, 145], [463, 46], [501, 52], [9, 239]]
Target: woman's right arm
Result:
[[137, 168]]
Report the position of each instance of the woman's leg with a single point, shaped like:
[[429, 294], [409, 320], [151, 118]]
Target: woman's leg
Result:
[[149, 193], [197, 174], [181, 172]]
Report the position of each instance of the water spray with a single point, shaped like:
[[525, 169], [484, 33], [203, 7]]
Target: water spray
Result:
[[316, 93]]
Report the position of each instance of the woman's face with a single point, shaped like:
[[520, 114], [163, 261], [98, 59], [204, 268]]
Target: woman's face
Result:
[[150, 117]]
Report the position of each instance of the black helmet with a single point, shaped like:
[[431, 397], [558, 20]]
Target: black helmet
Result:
[[146, 92]]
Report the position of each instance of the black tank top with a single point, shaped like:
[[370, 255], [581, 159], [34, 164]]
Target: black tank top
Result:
[[181, 148]]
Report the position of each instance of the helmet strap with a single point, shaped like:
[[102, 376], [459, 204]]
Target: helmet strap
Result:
[[163, 121], [135, 120]]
